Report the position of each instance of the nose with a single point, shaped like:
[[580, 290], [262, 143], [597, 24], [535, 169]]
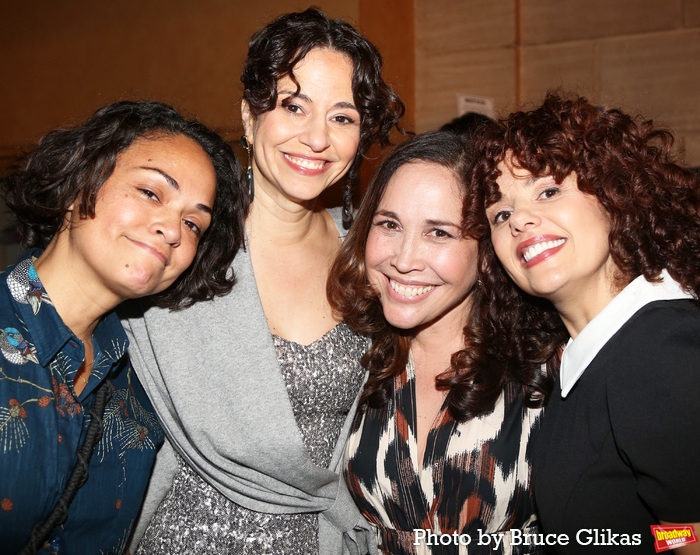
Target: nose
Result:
[[169, 226], [315, 133], [408, 255], [523, 217]]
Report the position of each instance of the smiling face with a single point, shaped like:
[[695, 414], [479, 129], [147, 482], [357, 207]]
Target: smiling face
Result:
[[149, 217], [309, 141], [416, 257], [553, 240]]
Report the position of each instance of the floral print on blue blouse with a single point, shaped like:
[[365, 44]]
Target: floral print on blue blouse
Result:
[[43, 422]]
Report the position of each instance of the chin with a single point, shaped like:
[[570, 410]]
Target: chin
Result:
[[142, 286], [402, 323], [545, 292]]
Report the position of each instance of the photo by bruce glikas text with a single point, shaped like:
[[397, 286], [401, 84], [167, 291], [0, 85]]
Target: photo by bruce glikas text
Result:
[[599, 537]]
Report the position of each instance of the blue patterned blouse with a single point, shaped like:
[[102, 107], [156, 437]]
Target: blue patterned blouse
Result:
[[43, 422]]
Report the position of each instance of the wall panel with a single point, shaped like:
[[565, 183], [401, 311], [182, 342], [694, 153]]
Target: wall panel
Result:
[[462, 47], [657, 75], [570, 66], [545, 21], [489, 73]]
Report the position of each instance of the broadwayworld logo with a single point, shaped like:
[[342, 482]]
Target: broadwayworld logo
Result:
[[670, 537]]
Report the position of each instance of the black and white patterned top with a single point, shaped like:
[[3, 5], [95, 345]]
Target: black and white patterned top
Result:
[[475, 477]]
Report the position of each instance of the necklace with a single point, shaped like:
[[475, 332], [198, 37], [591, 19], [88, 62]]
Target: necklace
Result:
[[84, 367]]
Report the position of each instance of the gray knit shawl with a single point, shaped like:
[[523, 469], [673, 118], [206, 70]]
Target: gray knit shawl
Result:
[[212, 374]]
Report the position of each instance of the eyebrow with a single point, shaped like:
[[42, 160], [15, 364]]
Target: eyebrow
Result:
[[175, 185], [306, 98], [444, 223], [171, 180], [386, 213], [530, 181]]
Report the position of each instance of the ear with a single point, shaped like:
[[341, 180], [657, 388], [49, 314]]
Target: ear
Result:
[[248, 120], [75, 204], [483, 267]]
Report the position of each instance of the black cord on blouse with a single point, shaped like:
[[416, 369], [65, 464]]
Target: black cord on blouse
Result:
[[78, 477]]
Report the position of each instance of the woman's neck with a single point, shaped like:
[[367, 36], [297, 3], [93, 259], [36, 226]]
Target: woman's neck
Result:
[[579, 311], [433, 348], [582, 300], [77, 303], [282, 222]]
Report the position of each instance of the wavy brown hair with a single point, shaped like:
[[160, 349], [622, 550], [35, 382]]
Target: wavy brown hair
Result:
[[472, 388], [653, 205]]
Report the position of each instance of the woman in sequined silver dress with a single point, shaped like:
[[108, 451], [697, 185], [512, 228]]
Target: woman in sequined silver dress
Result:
[[257, 388]]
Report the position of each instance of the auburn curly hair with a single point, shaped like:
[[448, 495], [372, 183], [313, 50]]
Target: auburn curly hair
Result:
[[653, 206]]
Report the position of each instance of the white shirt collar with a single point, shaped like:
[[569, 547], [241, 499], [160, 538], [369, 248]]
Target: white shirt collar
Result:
[[579, 352]]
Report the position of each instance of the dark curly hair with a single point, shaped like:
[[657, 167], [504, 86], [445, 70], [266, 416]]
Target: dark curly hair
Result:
[[70, 165], [471, 392], [274, 50], [652, 203]]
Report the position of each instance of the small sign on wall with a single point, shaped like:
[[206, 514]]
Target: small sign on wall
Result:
[[479, 104]]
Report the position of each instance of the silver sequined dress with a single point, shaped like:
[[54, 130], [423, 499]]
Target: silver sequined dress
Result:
[[322, 380]]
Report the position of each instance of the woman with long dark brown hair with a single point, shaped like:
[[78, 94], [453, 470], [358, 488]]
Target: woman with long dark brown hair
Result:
[[438, 459]]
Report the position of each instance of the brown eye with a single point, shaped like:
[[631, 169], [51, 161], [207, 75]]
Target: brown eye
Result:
[[387, 224], [343, 119], [441, 233], [293, 108], [194, 227], [501, 217], [550, 192], [149, 194]]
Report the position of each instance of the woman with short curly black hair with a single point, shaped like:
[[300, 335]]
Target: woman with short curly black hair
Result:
[[596, 234], [136, 201]]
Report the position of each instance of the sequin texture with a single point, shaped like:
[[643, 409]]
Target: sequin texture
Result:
[[322, 380]]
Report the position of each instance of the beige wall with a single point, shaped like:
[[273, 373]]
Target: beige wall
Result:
[[462, 46], [61, 60], [641, 55]]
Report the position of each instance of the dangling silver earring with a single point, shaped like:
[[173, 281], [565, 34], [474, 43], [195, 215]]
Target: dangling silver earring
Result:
[[347, 205], [249, 170]]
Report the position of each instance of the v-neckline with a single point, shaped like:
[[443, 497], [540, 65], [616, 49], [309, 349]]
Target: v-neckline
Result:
[[419, 465]]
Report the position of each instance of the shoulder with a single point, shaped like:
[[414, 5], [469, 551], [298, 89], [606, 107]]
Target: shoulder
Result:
[[652, 387], [6, 298], [663, 332], [652, 364], [675, 313]]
